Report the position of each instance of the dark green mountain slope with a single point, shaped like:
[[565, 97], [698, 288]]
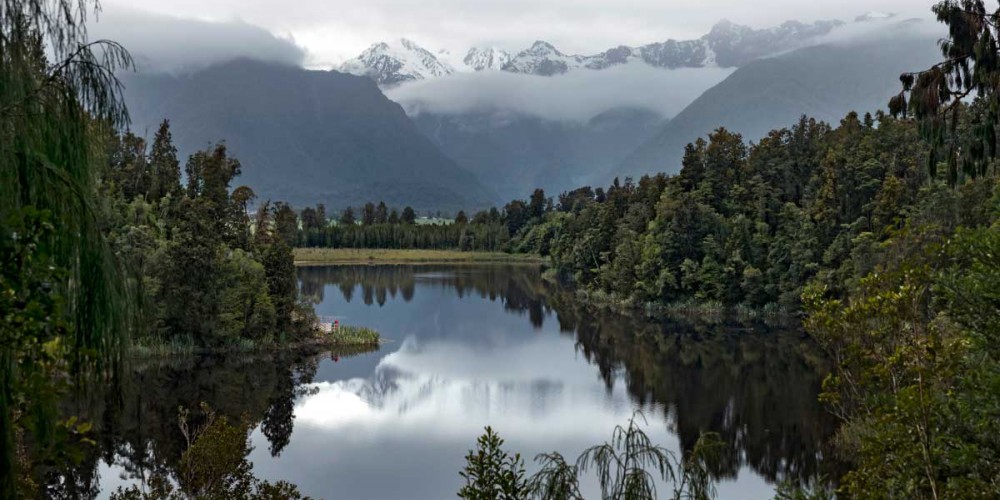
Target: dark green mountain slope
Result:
[[306, 136], [515, 153], [824, 82]]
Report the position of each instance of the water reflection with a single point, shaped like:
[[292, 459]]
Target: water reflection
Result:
[[470, 346]]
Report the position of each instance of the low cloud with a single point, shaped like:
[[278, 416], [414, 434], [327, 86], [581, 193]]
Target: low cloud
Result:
[[897, 27], [575, 96], [161, 43]]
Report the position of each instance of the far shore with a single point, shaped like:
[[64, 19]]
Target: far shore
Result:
[[347, 256]]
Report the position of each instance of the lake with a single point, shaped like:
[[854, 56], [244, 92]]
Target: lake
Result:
[[469, 346]]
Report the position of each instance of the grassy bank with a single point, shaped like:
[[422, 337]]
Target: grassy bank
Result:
[[336, 256], [347, 338]]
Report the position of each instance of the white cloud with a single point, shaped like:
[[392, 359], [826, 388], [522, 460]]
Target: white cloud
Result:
[[165, 43], [575, 96], [335, 30], [877, 29]]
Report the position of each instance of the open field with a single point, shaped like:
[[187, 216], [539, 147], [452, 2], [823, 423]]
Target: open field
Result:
[[335, 256]]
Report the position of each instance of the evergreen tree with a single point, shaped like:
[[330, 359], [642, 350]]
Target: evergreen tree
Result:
[[286, 223], [536, 204], [163, 162], [368, 214], [409, 216], [381, 213], [971, 67], [347, 217]]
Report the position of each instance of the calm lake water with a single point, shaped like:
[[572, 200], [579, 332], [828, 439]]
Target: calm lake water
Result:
[[471, 346]]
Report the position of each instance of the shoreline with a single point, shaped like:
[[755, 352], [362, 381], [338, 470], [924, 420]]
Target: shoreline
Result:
[[351, 338], [305, 257]]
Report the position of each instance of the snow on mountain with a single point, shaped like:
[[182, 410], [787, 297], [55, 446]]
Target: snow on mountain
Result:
[[542, 59], [489, 58], [727, 45], [396, 62]]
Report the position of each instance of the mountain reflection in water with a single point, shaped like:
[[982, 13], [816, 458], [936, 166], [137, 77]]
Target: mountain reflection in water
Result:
[[471, 346]]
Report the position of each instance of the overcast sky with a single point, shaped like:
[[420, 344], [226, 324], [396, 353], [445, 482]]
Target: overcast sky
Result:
[[331, 31]]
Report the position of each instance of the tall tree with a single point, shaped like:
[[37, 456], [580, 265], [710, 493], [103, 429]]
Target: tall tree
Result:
[[347, 217], [163, 162], [286, 223], [381, 213], [368, 214], [971, 67], [536, 205], [409, 216], [47, 170]]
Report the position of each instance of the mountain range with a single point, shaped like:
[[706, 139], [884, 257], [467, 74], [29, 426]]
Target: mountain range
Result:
[[516, 153], [824, 82], [308, 136], [305, 136], [726, 45]]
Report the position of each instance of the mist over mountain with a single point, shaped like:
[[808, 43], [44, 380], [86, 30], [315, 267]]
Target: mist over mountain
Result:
[[727, 45], [576, 96], [855, 70], [305, 136], [488, 119], [161, 43], [515, 153]]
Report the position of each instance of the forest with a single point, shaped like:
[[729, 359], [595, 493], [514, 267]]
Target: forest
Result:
[[206, 271], [881, 233]]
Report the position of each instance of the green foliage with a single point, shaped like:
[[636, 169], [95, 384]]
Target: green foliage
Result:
[[66, 307], [916, 365], [627, 467], [355, 335], [213, 466], [740, 225], [970, 68], [247, 310], [491, 473], [402, 233], [208, 275]]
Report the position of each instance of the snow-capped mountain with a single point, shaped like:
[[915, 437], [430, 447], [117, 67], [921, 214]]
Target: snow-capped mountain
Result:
[[396, 62], [544, 60], [490, 58], [727, 45]]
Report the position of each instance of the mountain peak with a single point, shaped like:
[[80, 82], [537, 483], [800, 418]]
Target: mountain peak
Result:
[[541, 47], [390, 63], [726, 45], [486, 58]]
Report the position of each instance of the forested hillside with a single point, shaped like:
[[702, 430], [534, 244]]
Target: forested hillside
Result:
[[309, 136], [824, 81]]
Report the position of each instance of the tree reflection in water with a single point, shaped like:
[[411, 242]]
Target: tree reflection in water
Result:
[[756, 384], [135, 418], [753, 384]]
